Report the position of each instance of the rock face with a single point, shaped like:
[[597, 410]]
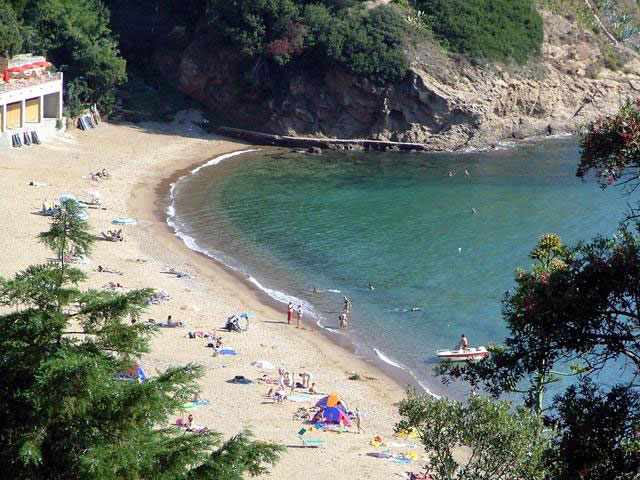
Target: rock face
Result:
[[444, 102]]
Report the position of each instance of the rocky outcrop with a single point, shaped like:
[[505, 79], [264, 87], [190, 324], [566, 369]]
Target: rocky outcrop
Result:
[[444, 102]]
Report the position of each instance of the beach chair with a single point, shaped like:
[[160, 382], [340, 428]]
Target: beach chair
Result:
[[309, 443]]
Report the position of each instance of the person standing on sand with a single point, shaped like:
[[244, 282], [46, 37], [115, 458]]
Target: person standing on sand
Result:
[[299, 315], [289, 312], [359, 421]]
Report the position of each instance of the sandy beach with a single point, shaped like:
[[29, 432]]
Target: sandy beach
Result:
[[143, 160]]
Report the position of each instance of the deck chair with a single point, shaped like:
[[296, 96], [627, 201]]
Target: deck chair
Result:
[[309, 443]]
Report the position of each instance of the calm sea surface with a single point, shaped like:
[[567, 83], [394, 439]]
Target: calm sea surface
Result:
[[341, 221]]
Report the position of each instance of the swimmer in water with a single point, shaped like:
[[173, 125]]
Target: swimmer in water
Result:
[[466, 172], [317, 290], [451, 174], [473, 210], [415, 309], [371, 287]]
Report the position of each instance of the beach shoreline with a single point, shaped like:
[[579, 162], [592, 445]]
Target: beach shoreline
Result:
[[142, 161], [161, 201]]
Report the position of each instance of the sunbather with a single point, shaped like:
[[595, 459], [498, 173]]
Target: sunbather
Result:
[[107, 270]]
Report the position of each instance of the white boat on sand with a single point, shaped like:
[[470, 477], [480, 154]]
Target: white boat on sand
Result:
[[469, 353]]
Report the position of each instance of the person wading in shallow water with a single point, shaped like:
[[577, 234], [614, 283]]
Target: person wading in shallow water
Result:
[[346, 307], [344, 320]]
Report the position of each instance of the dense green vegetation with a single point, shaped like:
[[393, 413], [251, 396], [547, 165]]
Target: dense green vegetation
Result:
[[89, 40], [492, 29], [288, 32], [10, 37], [75, 36], [72, 403]]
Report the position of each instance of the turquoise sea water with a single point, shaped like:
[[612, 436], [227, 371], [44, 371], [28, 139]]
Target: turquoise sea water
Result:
[[343, 220]]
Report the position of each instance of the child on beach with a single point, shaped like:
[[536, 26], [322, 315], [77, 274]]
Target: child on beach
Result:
[[299, 315], [359, 420]]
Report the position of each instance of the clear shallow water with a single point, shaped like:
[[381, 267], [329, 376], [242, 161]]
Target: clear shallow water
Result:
[[343, 220]]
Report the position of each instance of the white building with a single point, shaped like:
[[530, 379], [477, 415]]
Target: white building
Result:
[[30, 98]]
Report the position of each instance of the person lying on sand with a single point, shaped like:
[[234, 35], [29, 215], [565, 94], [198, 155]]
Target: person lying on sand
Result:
[[102, 269], [113, 235], [177, 273]]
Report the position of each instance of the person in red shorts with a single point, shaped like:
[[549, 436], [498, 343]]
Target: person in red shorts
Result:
[[290, 313]]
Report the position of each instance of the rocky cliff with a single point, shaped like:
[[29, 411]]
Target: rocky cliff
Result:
[[445, 102]]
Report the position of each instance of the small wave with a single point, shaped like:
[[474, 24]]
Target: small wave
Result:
[[280, 296], [333, 290], [400, 366], [217, 160], [386, 359]]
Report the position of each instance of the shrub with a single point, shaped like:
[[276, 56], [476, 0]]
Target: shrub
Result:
[[367, 43], [500, 30]]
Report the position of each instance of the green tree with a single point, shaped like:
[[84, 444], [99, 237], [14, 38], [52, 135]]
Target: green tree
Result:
[[596, 428], [10, 36], [502, 444], [611, 147], [69, 408], [69, 233], [75, 36]]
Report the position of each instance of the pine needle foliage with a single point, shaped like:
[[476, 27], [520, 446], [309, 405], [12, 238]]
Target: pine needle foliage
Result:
[[66, 409], [69, 233]]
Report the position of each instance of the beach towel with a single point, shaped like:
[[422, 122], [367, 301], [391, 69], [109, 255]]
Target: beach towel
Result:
[[124, 221], [241, 379], [300, 398], [226, 351]]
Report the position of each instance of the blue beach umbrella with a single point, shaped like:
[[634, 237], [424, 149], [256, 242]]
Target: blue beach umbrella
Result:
[[66, 197], [247, 315]]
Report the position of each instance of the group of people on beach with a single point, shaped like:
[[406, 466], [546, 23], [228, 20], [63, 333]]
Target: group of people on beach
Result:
[[287, 379], [290, 311]]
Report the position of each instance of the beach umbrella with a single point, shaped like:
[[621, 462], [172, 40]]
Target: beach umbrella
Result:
[[247, 315], [66, 197]]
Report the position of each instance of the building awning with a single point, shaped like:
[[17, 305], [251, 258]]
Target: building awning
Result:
[[22, 68]]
